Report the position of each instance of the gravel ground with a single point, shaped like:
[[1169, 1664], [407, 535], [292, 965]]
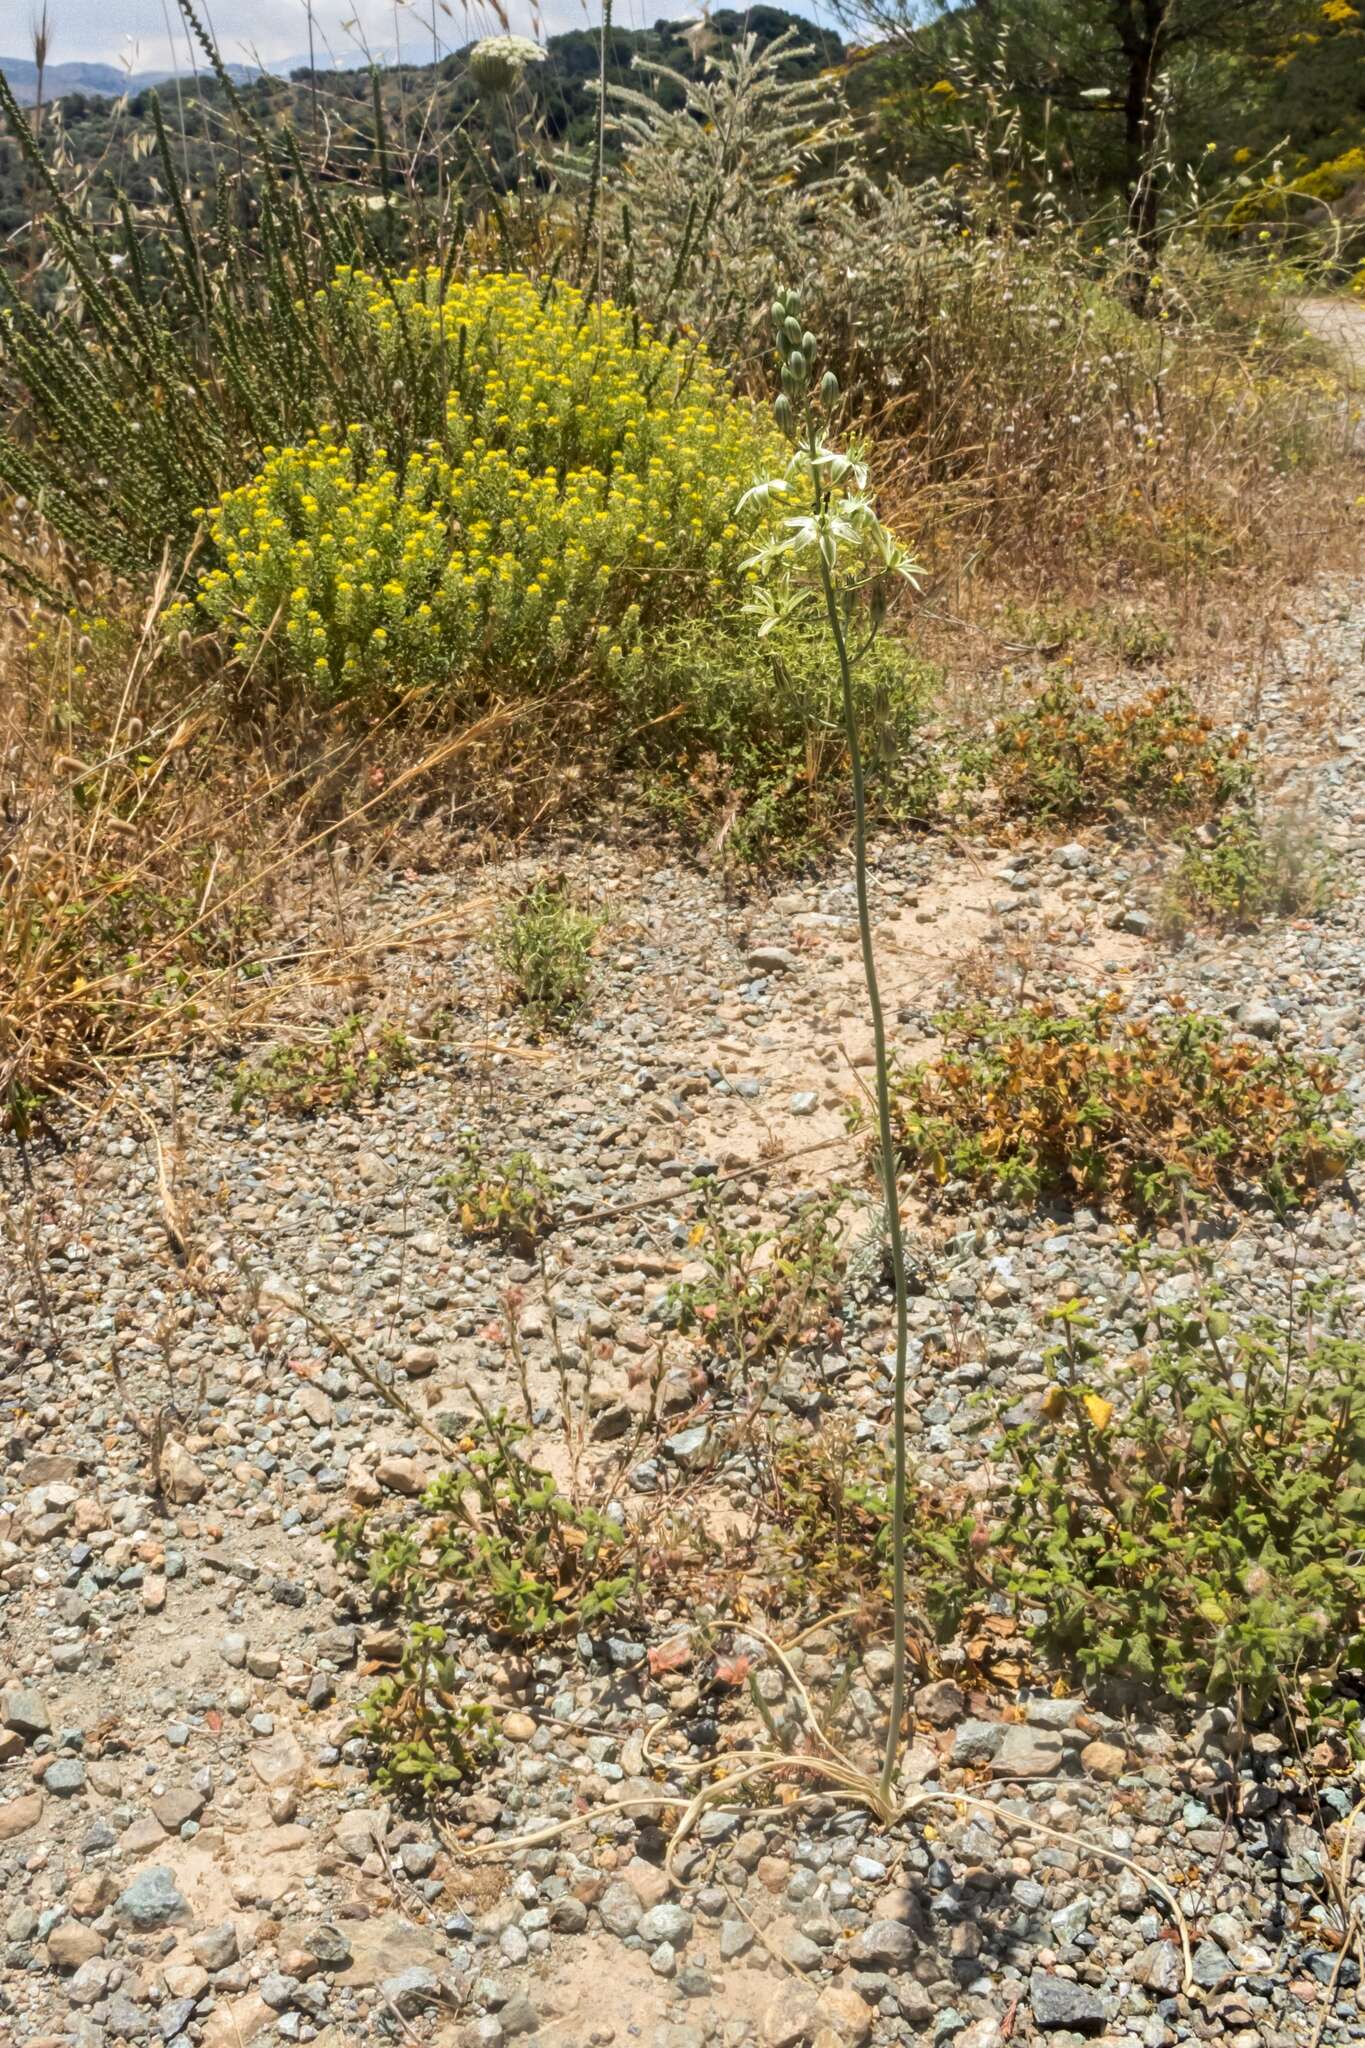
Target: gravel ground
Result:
[[191, 1849]]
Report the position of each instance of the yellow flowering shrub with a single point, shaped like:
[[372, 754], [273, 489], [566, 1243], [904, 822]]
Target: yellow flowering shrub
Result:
[[582, 491]]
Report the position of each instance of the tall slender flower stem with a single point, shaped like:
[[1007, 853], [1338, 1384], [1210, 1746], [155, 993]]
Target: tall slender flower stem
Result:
[[885, 1140]]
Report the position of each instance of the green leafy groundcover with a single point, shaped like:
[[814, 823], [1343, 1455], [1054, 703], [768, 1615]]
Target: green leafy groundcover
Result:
[[1194, 1525]]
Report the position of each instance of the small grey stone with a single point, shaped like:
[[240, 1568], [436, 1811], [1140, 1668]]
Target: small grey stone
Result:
[[798, 1950], [174, 2016], [329, 1947], [178, 1804], [1160, 1968], [66, 1777], [1058, 2002], [688, 1445], [619, 1909], [665, 1922], [1210, 1967], [514, 1944], [736, 1939], [412, 1990], [126, 2019], [886, 1944], [1030, 1753], [151, 1900], [1260, 1020], [26, 1714], [214, 1948], [976, 1742], [1069, 1921], [518, 2016], [92, 1981]]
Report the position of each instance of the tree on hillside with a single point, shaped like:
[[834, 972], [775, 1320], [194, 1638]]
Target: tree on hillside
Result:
[[1106, 63]]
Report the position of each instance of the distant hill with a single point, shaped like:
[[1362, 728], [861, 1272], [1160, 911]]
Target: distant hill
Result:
[[100, 81], [332, 113]]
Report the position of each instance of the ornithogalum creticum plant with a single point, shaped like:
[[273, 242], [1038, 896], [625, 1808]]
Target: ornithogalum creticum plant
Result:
[[831, 552]]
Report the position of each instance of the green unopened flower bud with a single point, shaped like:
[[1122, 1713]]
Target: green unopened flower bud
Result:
[[798, 366], [829, 389], [792, 330], [808, 344], [779, 313], [782, 412]]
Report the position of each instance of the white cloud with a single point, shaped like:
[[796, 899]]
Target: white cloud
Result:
[[145, 34]]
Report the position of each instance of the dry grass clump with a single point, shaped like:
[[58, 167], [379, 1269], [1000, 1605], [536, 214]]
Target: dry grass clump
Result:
[[167, 846]]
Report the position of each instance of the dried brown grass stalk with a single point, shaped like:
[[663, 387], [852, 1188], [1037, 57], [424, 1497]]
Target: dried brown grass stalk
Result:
[[156, 825]]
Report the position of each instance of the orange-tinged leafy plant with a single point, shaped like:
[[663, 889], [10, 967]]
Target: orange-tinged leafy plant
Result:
[[1066, 758], [1145, 1115]]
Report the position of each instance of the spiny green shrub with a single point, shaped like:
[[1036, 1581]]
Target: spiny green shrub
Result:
[[1191, 1522], [1243, 874], [724, 722], [543, 943], [1066, 758], [1147, 1115], [578, 491]]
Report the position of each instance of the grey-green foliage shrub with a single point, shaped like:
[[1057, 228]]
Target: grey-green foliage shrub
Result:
[[543, 943], [752, 724], [981, 328], [1243, 871]]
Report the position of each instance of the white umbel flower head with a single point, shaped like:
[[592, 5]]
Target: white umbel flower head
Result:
[[498, 63]]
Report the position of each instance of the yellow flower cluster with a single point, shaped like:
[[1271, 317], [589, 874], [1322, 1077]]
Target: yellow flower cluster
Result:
[[583, 493]]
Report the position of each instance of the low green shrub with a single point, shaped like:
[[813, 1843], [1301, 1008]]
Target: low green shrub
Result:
[[543, 943], [1065, 758], [1146, 1115], [830, 1532], [1192, 1522], [425, 1737], [767, 1293], [1131, 632], [351, 1065], [1242, 874], [748, 730], [511, 1200], [496, 1544]]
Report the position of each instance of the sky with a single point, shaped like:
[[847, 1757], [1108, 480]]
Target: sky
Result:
[[145, 34]]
